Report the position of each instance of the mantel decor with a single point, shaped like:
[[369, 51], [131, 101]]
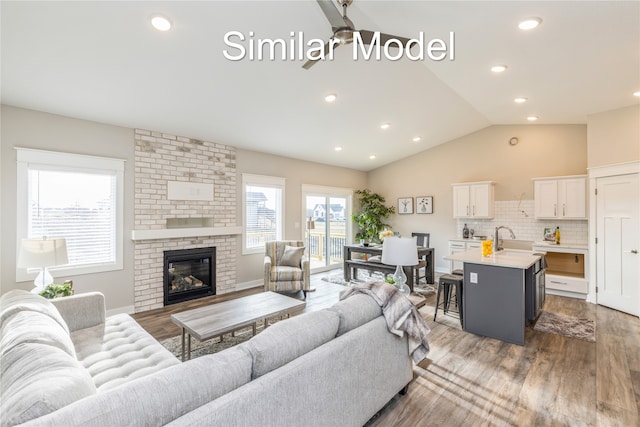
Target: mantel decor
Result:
[[424, 204], [405, 205]]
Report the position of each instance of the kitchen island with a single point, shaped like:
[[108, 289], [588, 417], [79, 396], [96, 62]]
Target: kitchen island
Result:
[[501, 292]]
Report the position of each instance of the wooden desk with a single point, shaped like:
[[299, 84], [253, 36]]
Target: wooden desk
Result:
[[425, 253]]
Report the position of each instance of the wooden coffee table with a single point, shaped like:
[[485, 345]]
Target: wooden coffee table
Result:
[[220, 318]]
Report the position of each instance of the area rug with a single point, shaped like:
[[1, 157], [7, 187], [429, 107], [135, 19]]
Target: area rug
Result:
[[363, 277], [568, 326], [214, 345]]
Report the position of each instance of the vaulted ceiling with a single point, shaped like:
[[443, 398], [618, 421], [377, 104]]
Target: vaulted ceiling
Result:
[[104, 61]]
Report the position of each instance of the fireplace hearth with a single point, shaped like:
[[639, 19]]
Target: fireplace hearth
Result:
[[189, 274]]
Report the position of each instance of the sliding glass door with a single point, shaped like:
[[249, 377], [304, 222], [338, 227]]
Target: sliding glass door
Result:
[[327, 225]]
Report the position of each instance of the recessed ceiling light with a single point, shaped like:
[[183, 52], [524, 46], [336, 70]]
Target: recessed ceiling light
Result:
[[371, 157], [636, 93], [520, 100], [161, 23], [331, 97], [530, 24], [338, 148], [499, 68], [416, 139], [385, 126], [532, 118]]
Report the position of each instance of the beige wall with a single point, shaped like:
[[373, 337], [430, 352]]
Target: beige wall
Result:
[[297, 173], [543, 150], [32, 129], [614, 136]]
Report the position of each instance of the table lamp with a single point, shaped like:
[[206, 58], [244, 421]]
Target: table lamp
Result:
[[42, 253], [400, 251]]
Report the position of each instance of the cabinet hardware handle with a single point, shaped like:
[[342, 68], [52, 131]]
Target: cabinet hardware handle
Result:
[[558, 283], [467, 210], [564, 210], [474, 210], [555, 210]]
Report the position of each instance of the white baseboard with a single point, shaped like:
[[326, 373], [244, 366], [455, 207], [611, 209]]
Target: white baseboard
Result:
[[129, 309], [249, 285]]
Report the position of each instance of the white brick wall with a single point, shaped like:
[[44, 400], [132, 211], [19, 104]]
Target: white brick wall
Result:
[[160, 158], [525, 227]]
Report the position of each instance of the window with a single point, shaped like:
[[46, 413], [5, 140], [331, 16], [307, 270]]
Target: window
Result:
[[263, 211], [76, 197]]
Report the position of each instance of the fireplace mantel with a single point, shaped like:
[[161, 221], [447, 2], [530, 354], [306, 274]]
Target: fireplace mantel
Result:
[[177, 233]]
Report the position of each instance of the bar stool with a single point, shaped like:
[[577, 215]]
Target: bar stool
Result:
[[446, 283]]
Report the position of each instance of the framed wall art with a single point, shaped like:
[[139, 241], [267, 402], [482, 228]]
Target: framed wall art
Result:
[[424, 205], [405, 205]]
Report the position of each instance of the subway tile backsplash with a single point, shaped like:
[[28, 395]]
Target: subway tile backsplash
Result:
[[519, 216]]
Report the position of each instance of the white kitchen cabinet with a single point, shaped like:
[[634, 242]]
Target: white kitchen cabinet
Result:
[[473, 200], [456, 246], [561, 197]]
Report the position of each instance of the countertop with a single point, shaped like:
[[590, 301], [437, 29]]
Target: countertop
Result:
[[551, 246], [512, 258]]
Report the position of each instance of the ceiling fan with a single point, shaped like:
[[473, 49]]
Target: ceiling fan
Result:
[[343, 30]]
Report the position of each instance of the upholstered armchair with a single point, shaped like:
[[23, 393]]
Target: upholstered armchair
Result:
[[285, 267]]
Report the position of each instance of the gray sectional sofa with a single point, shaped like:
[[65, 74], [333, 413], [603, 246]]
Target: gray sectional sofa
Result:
[[64, 363]]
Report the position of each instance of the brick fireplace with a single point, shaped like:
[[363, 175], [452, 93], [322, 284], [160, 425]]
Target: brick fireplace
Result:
[[163, 161]]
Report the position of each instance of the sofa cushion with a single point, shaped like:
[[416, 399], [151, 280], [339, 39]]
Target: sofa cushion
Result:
[[33, 327], [158, 398], [18, 300], [38, 379], [355, 311], [292, 256], [287, 340], [283, 273], [118, 351]]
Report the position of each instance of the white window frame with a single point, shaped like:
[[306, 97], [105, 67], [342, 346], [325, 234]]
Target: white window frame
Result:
[[261, 181], [75, 163]]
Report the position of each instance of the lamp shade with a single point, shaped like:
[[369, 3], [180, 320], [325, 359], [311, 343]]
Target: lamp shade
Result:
[[400, 251], [42, 253]]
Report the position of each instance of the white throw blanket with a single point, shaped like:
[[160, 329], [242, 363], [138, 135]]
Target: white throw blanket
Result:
[[400, 314]]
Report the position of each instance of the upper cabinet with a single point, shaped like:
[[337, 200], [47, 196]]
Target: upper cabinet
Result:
[[473, 200], [561, 197]]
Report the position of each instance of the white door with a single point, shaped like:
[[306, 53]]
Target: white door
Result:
[[618, 234]]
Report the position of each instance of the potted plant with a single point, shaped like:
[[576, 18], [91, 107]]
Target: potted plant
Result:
[[371, 215]]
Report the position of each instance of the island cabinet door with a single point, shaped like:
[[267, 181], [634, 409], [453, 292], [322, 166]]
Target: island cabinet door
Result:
[[494, 302]]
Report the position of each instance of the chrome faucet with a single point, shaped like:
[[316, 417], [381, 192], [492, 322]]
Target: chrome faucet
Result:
[[497, 244]]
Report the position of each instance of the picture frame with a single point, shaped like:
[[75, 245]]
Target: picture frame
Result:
[[550, 235], [424, 205], [405, 205]]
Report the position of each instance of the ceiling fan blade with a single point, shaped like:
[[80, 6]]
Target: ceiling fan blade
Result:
[[367, 37], [332, 14], [311, 62]]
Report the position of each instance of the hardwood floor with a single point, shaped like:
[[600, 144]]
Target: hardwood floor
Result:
[[469, 380]]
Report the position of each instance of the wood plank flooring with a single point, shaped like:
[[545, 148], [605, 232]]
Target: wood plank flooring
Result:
[[469, 380]]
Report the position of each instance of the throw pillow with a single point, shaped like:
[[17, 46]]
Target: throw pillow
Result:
[[292, 256]]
